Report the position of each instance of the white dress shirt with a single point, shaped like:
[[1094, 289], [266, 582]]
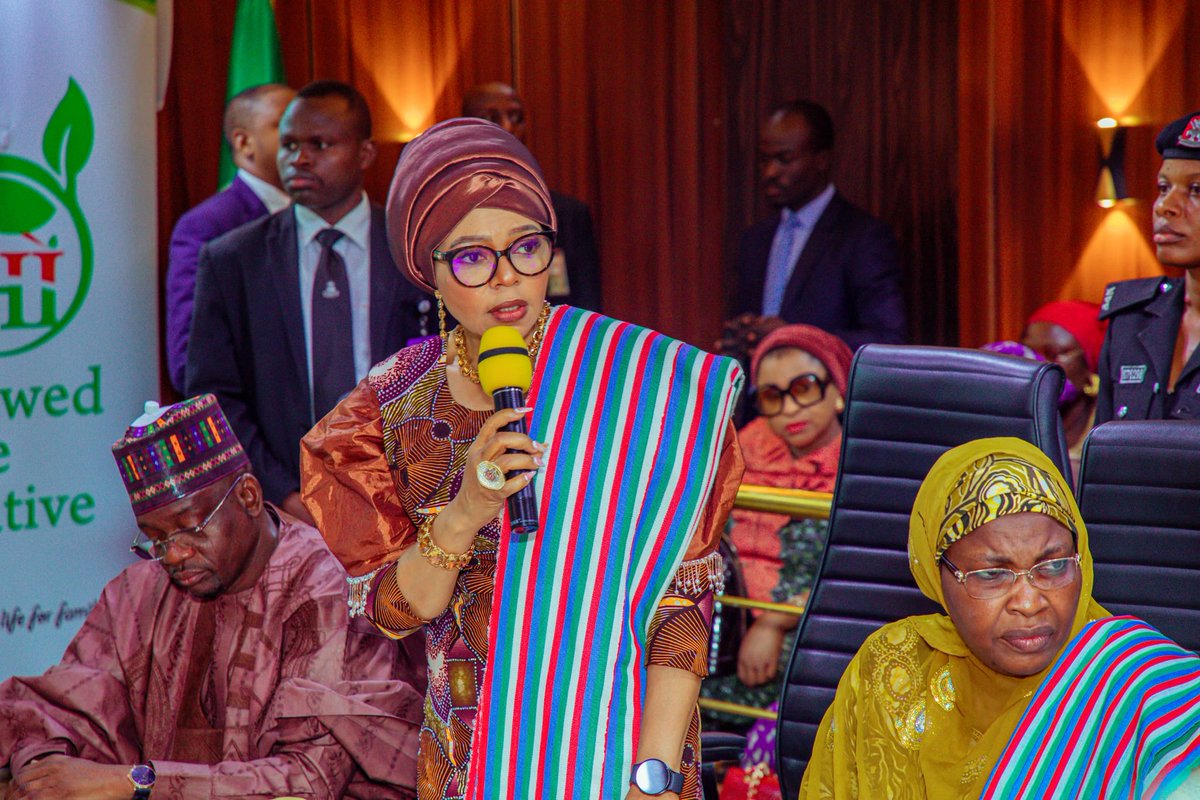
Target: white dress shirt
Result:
[[355, 249], [274, 198]]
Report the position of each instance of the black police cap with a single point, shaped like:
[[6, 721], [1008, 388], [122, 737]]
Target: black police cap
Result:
[[1180, 139]]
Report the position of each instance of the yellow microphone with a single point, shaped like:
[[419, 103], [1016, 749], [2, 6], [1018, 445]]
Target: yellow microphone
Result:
[[505, 372], [504, 361]]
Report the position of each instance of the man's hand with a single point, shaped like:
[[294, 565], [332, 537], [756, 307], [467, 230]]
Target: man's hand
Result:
[[294, 506], [740, 335], [758, 657], [60, 777]]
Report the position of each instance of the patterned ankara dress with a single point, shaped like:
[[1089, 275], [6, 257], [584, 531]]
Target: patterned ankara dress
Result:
[[394, 450]]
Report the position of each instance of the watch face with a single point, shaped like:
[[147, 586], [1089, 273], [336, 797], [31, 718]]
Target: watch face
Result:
[[652, 776], [142, 776]]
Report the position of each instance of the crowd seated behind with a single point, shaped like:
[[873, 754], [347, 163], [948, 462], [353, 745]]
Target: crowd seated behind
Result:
[[222, 665]]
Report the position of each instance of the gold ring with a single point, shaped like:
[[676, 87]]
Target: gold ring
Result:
[[490, 475]]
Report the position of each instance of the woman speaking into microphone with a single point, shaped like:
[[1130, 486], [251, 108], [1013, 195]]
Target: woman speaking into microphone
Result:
[[566, 662]]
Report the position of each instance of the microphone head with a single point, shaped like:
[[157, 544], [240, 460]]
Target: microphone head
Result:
[[504, 360]]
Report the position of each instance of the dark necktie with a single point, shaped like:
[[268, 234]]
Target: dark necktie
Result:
[[332, 328]]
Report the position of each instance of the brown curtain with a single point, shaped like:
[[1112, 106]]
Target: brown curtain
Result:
[[887, 74], [1035, 76], [624, 99]]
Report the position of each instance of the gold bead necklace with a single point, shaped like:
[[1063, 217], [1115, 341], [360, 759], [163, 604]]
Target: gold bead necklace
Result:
[[535, 344]]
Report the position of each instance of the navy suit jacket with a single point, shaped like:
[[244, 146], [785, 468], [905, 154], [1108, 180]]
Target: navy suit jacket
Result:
[[578, 243], [247, 341], [219, 214], [847, 279]]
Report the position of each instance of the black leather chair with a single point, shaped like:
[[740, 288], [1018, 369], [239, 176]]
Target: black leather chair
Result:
[[1139, 492], [905, 407]]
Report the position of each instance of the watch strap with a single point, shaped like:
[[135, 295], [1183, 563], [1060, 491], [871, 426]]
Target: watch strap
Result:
[[676, 781]]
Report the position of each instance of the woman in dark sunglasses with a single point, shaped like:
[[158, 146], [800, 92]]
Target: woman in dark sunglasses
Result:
[[798, 381]]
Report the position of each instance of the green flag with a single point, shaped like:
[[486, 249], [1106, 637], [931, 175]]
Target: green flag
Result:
[[253, 59]]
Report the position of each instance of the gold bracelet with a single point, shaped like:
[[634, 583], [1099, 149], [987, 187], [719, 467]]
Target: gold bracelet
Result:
[[436, 555]]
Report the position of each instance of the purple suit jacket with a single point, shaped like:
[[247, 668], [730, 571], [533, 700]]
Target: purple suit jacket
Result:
[[217, 215]]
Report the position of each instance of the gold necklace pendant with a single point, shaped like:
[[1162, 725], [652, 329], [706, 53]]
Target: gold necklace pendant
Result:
[[535, 345]]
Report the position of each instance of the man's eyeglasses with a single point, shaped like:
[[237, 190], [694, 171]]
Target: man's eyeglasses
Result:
[[807, 390], [156, 549], [988, 584], [475, 265]]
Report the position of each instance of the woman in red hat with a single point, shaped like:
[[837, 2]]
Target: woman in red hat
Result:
[[1069, 333]]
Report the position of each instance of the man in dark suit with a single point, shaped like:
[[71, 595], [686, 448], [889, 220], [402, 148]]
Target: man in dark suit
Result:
[[821, 260], [251, 127], [575, 271], [293, 309]]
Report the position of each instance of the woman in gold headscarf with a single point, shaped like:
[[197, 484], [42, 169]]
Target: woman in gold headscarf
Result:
[[928, 704]]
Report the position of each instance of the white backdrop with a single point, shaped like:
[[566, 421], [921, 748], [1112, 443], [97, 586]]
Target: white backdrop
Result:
[[78, 314]]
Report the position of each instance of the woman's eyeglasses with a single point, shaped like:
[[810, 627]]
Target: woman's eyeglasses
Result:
[[475, 265], [157, 549], [989, 584], [807, 390]]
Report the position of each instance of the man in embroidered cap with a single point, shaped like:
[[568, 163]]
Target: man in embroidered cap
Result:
[[1149, 365], [223, 664]]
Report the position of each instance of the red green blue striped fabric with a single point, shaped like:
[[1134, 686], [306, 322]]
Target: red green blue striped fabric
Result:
[[1117, 717], [635, 422]]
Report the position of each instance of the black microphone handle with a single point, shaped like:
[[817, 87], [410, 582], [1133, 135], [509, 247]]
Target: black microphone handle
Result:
[[522, 506]]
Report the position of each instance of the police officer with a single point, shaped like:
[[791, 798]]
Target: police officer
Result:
[[1150, 365]]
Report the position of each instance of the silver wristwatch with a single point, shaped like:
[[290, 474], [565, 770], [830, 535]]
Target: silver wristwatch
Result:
[[654, 777]]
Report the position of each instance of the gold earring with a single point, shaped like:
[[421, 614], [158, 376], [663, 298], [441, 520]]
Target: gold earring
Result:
[[441, 324], [840, 405]]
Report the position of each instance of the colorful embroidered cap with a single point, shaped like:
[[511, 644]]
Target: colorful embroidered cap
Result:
[[1180, 139], [171, 452]]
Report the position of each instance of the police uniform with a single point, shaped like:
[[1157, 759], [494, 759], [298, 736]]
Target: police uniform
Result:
[[1135, 364], [1144, 317]]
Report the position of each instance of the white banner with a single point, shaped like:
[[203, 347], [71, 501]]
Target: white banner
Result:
[[78, 309]]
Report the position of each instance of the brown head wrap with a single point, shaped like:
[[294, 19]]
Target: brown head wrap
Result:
[[454, 167]]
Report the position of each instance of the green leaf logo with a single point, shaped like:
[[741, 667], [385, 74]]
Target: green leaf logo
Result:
[[70, 134], [22, 208], [46, 249]]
